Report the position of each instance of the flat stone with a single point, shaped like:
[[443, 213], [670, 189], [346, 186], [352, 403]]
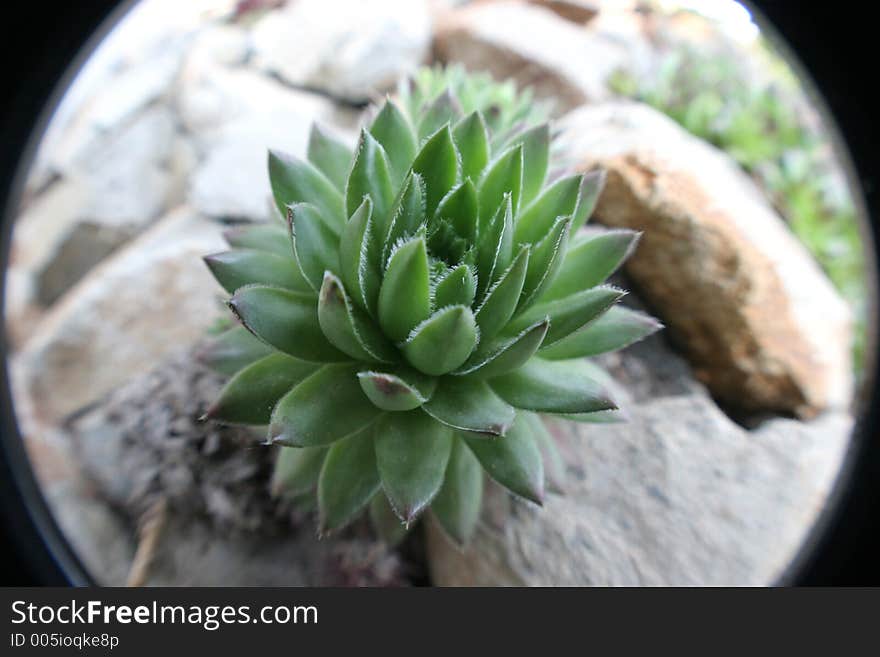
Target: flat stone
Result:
[[349, 49], [531, 44], [759, 320], [146, 299], [677, 496]]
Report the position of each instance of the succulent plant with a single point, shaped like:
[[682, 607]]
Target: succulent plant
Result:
[[430, 295]]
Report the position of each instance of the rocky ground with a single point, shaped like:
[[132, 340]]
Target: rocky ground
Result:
[[162, 142]]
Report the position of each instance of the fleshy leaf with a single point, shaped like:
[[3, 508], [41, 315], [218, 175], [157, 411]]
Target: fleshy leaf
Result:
[[269, 237], [594, 183], [359, 258], [545, 261], [471, 405], [250, 396], [326, 406], [315, 242], [554, 464], [536, 157], [347, 327], [438, 164], [400, 390], [285, 320], [385, 521], [233, 350], [329, 155], [240, 267], [348, 481], [443, 341], [459, 207], [392, 129], [457, 288], [503, 176], [502, 298], [619, 327], [558, 200], [472, 140], [569, 314], [590, 260], [370, 176], [297, 470], [514, 461], [405, 295], [296, 181], [457, 505], [407, 214], [442, 110], [495, 246], [412, 450], [553, 387], [503, 356]]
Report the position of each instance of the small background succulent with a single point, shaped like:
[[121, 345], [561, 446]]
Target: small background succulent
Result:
[[426, 298]]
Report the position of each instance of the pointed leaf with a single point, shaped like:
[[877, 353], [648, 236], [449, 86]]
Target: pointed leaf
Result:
[[269, 237], [459, 207], [597, 417], [405, 295], [553, 387], [370, 176], [513, 460], [554, 464], [233, 350], [569, 314], [329, 155], [297, 470], [594, 183], [495, 246], [558, 200], [503, 176], [240, 267], [393, 130], [250, 396], [285, 320], [443, 341], [536, 157], [347, 327], [408, 213], [619, 327], [326, 406], [457, 505], [590, 260], [412, 450], [503, 356], [472, 140], [438, 164], [385, 522], [444, 109], [545, 261], [315, 243], [457, 288], [348, 481], [295, 181], [401, 390], [359, 258], [471, 405], [501, 300]]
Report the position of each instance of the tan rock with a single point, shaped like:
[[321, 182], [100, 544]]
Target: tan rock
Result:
[[761, 323], [576, 11], [532, 45], [148, 298]]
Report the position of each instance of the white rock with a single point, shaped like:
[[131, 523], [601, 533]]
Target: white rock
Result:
[[148, 298], [561, 61], [348, 48]]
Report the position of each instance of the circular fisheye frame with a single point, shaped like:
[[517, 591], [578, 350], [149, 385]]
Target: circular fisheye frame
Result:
[[410, 277]]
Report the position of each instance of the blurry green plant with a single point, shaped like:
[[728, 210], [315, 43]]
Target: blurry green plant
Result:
[[715, 98]]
